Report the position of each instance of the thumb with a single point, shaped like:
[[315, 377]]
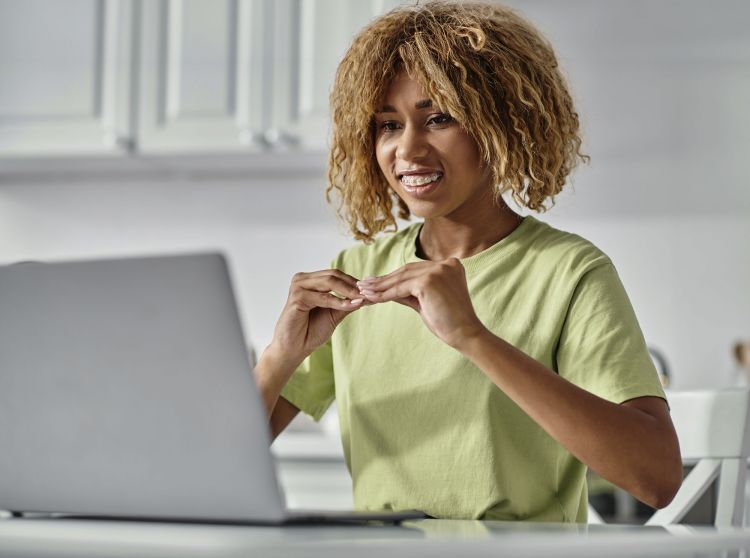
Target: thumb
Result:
[[410, 301], [339, 315]]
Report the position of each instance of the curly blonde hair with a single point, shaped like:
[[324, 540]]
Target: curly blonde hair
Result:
[[489, 68]]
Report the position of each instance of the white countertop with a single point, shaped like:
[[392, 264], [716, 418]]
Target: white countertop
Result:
[[23, 538]]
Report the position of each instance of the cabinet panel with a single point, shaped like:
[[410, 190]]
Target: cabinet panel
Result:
[[64, 67], [201, 78], [310, 38], [202, 72]]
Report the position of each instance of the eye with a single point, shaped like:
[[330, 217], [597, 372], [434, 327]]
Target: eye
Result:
[[440, 119], [388, 125]]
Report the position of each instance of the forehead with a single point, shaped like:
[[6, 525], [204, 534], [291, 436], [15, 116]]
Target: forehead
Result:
[[404, 92]]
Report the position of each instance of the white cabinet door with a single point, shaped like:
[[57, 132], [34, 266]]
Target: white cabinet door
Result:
[[64, 76], [309, 40], [201, 75]]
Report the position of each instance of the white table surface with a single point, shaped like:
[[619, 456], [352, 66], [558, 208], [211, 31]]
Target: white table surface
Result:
[[40, 538]]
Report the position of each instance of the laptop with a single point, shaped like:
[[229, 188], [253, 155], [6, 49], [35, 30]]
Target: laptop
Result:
[[126, 392]]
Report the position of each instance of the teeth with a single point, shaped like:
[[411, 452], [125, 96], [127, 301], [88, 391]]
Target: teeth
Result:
[[419, 179]]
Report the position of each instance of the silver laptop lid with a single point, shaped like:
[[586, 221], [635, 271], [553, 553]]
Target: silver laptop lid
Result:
[[125, 390]]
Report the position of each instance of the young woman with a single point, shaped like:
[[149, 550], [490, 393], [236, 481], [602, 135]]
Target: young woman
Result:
[[480, 361]]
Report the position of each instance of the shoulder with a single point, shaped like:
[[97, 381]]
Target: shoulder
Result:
[[564, 251], [381, 256]]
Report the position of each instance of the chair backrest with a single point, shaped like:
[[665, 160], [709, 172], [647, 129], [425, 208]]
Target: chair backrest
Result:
[[711, 424], [712, 427]]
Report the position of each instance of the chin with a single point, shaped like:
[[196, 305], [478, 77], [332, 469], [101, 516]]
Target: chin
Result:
[[421, 208], [425, 211]]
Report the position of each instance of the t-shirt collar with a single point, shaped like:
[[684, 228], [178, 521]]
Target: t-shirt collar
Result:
[[504, 247]]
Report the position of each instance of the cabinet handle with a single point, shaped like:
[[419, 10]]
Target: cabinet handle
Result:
[[123, 143], [252, 137], [280, 138], [270, 138], [126, 144]]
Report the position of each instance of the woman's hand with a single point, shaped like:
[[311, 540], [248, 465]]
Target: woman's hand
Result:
[[436, 290], [312, 313]]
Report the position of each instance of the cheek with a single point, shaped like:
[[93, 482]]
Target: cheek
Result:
[[469, 149], [383, 157], [464, 155]]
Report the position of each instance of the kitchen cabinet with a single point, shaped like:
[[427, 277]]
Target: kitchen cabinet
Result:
[[65, 76], [171, 76], [201, 75]]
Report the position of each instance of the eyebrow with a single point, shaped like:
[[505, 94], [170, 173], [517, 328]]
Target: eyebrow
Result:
[[423, 104]]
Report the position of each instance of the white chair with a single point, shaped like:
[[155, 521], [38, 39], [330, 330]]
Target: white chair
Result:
[[712, 427]]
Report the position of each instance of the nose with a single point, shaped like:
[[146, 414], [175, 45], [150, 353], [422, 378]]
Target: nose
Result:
[[412, 144]]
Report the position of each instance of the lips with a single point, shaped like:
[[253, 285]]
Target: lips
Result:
[[408, 171]]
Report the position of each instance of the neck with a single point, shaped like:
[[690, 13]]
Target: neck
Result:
[[443, 237]]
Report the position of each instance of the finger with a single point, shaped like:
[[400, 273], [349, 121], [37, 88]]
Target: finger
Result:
[[405, 268], [402, 289], [324, 273], [307, 300], [329, 280], [341, 275], [372, 298], [392, 279]]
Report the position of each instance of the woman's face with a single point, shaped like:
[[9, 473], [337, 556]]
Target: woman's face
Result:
[[425, 155]]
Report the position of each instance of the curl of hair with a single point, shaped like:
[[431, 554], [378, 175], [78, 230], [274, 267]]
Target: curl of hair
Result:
[[489, 68]]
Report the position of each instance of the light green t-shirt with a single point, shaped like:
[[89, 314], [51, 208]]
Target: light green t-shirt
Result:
[[423, 428]]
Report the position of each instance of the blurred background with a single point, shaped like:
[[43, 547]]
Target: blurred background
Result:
[[140, 127]]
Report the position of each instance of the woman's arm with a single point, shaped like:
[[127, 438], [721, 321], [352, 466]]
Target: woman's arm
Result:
[[633, 445], [307, 321], [282, 415], [272, 372]]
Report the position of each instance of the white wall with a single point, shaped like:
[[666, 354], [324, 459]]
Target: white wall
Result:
[[687, 274]]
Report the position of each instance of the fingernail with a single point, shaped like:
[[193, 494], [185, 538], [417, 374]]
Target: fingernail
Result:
[[357, 301], [367, 292]]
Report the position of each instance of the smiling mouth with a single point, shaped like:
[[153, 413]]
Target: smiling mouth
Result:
[[417, 180]]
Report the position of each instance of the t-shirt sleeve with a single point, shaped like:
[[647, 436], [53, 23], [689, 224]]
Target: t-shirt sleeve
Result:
[[311, 387], [602, 348]]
